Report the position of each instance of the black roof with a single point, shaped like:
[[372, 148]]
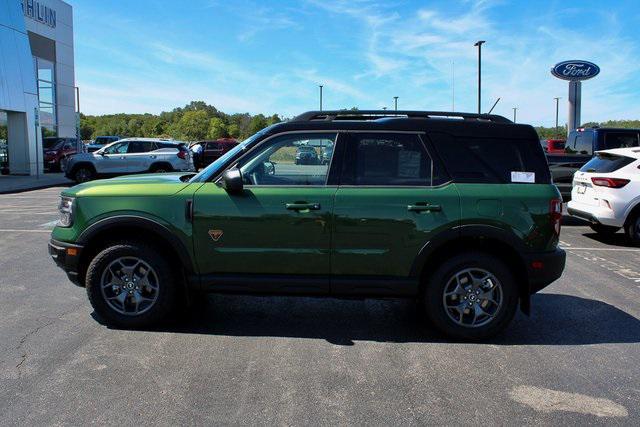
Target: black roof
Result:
[[459, 124]]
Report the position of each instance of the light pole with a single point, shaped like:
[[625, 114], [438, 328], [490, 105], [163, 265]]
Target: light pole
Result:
[[395, 100], [479, 43], [321, 86], [515, 109], [557, 98]]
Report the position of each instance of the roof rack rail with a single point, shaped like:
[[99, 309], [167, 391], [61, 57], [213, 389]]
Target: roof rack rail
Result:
[[380, 114]]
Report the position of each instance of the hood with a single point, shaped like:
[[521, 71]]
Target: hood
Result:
[[163, 184], [82, 156]]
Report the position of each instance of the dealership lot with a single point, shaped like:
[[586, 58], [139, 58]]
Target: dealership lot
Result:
[[305, 360]]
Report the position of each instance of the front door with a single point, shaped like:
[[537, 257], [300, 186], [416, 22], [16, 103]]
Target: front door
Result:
[[393, 198], [279, 226], [113, 160]]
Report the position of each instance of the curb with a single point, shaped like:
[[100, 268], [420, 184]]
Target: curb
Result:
[[37, 187]]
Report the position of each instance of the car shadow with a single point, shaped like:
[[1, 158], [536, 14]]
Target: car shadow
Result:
[[556, 320], [618, 239]]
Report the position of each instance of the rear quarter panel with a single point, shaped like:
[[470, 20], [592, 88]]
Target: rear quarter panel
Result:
[[521, 210]]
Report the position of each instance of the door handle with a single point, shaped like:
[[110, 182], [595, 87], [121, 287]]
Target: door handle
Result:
[[153, 157], [424, 207], [303, 206], [122, 157]]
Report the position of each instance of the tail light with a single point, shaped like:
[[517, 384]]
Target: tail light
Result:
[[182, 154], [609, 182], [555, 210]]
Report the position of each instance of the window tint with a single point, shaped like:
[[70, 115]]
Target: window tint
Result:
[[584, 143], [141, 146], [491, 160], [117, 148], [604, 163], [621, 139], [214, 146], [288, 160], [386, 159]]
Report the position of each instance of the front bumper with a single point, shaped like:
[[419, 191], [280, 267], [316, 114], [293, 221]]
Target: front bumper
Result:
[[67, 257], [544, 268]]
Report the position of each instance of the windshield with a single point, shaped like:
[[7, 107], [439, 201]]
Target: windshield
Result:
[[50, 143], [214, 167], [105, 147]]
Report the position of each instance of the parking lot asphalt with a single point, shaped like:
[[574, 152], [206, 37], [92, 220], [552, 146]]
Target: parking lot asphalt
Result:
[[254, 360]]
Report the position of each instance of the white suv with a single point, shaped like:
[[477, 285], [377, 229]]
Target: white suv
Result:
[[131, 155], [606, 192]]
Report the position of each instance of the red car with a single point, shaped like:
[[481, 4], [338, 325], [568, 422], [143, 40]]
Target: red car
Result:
[[554, 146], [55, 149], [212, 150]]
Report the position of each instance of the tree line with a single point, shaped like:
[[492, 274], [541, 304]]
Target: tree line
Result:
[[199, 120], [196, 121]]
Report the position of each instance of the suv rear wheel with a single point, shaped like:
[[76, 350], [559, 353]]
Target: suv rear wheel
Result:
[[130, 285], [471, 296]]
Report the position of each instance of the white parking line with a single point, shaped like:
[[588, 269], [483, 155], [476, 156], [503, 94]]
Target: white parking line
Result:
[[15, 230], [600, 249]]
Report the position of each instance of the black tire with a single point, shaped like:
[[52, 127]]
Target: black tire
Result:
[[161, 168], [605, 230], [83, 174], [167, 291], [436, 284], [632, 229]]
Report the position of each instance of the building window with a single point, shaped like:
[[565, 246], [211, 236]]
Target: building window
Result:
[[45, 70]]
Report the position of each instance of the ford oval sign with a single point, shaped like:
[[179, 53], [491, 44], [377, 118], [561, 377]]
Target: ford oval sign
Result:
[[575, 70]]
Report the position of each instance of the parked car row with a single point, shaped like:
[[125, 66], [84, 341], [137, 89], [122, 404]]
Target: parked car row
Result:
[[129, 156], [579, 149]]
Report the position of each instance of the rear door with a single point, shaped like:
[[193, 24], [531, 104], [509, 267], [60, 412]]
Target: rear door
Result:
[[140, 156], [393, 198]]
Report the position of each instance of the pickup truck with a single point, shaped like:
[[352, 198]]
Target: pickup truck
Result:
[[579, 149]]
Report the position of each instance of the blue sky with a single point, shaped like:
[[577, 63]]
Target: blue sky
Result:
[[269, 56]]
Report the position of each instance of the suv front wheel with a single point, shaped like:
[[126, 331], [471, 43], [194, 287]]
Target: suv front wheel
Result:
[[129, 285], [471, 296]]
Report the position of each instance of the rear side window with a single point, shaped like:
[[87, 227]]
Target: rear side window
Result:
[[386, 159], [621, 139], [604, 163], [141, 146], [491, 160]]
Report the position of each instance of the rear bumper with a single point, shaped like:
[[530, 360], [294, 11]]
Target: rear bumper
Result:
[[594, 214], [544, 268], [67, 256]]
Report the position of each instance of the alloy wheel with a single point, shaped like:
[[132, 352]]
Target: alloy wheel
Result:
[[129, 286], [472, 297]]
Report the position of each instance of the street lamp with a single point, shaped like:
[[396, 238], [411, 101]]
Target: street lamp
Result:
[[557, 106], [321, 86], [395, 100], [515, 109], [479, 43]]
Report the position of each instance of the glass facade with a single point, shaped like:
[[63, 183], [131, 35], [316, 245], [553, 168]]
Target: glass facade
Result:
[[45, 70]]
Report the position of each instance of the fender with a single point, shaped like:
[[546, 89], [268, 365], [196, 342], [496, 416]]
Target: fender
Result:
[[142, 223], [465, 231]]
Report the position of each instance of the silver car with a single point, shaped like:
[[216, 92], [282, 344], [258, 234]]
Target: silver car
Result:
[[129, 156]]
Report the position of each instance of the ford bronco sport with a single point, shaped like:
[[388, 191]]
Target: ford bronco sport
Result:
[[454, 209]]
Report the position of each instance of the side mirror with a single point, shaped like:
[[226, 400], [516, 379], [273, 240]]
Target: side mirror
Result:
[[269, 168], [232, 181]]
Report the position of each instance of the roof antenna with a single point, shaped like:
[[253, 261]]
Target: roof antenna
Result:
[[494, 105]]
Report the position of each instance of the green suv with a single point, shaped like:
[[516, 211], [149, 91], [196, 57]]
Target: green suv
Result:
[[454, 209]]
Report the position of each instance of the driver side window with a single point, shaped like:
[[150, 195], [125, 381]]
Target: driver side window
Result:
[[117, 148], [294, 159]]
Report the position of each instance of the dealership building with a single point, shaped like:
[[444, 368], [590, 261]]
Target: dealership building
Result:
[[37, 82]]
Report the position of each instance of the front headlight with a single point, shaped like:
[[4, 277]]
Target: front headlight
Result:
[[66, 211]]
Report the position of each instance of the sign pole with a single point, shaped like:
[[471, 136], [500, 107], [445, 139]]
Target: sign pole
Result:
[[575, 99]]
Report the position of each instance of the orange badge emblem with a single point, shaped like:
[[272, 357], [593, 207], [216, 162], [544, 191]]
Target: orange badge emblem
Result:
[[215, 234]]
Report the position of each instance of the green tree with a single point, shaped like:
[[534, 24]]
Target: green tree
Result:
[[193, 126], [233, 130], [217, 129], [257, 123]]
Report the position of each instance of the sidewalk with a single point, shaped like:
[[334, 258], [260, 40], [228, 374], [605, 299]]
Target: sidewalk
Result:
[[18, 184]]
